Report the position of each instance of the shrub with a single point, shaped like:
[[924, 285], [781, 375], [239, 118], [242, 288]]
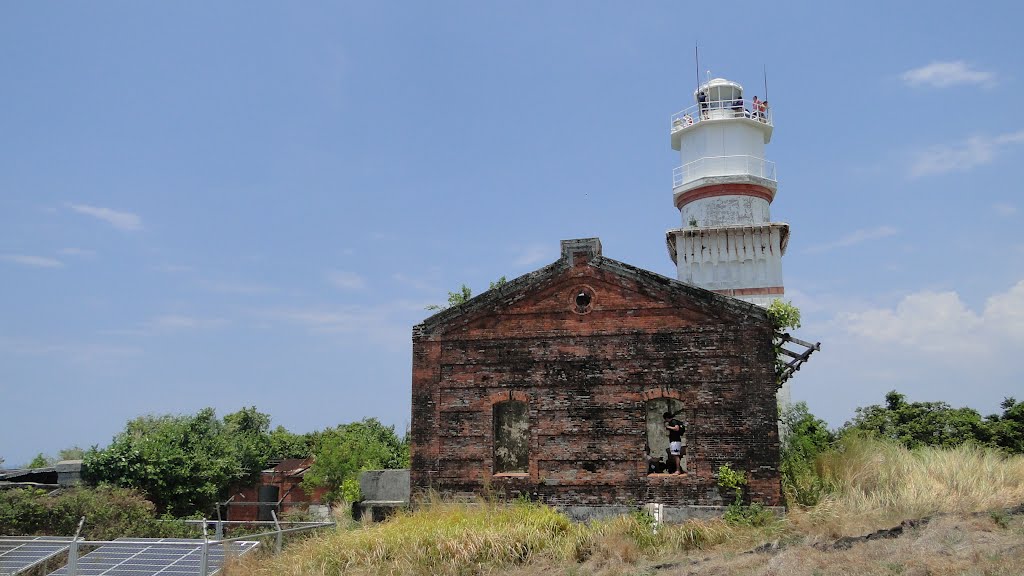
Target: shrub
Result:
[[109, 513], [484, 537], [185, 464], [806, 438]]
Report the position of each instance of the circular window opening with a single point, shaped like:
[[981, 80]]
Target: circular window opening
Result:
[[582, 299]]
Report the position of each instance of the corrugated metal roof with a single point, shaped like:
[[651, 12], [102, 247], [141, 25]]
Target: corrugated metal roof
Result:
[[291, 467]]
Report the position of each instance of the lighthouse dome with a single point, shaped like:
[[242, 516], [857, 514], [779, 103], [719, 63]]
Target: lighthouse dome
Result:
[[718, 89]]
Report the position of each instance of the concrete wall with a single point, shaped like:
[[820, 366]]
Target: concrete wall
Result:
[[69, 473], [384, 485], [731, 258], [725, 138], [726, 211]]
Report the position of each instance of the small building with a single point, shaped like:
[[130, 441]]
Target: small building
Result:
[[279, 489], [553, 386], [63, 474]]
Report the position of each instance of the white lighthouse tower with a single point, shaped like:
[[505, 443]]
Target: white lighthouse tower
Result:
[[723, 190]]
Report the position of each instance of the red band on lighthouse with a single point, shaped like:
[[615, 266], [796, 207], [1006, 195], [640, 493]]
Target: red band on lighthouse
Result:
[[724, 190]]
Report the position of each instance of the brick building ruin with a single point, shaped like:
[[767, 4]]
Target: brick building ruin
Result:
[[554, 384]]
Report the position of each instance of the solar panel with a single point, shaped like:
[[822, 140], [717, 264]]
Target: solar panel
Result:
[[155, 556], [22, 553]]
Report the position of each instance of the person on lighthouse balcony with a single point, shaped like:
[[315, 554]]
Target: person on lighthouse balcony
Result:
[[760, 109]]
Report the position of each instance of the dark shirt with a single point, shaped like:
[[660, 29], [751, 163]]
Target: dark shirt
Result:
[[675, 435]]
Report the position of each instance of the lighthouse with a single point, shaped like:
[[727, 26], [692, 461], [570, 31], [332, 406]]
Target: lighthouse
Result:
[[723, 189]]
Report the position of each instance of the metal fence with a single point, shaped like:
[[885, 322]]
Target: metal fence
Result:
[[723, 166], [215, 549], [721, 110]]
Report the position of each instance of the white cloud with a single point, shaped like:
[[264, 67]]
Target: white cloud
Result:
[[418, 283], [926, 321], [33, 261], [533, 254], [346, 280], [930, 345], [81, 252], [83, 353], [855, 237], [946, 74], [222, 287], [1004, 209], [391, 323], [173, 268], [1005, 312], [940, 324], [962, 156], [180, 322], [120, 220]]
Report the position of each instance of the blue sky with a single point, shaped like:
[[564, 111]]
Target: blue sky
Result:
[[250, 203]]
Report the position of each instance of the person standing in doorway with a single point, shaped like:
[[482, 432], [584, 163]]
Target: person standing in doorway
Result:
[[675, 440]]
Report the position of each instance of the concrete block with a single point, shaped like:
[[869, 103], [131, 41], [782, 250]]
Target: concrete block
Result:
[[384, 485], [69, 473]]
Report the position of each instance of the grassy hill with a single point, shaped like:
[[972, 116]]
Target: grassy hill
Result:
[[962, 500]]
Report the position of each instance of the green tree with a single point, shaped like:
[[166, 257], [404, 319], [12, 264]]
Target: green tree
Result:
[[40, 461], [342, 452], [285, 444], [464, 294], [915, 424], [1008, 430], [184, 464], [73, 453], [248, 436], [806, 437], [454, 298]]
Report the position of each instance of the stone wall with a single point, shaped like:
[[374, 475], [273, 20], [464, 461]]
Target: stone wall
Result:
[[585, 373]]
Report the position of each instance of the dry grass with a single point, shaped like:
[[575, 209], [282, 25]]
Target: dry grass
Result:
[[873, 485], [486, 537], [876, 484]]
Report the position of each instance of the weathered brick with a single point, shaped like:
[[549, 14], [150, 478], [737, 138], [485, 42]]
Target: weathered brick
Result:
[[585, 374]]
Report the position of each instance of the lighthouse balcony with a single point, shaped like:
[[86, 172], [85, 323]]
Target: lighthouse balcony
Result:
[[723, 166], [749, 113], [721, 110]]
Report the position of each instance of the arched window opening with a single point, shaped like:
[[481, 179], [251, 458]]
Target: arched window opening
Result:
[[511, 437], [660, 459]]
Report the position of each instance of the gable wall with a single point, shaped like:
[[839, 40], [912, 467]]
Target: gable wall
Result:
[[585, 378]]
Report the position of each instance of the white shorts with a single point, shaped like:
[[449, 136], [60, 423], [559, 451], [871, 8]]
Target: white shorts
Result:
[[675, 448]]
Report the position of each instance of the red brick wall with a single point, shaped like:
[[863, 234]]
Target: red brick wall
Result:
[[585, 377], [241, 508]]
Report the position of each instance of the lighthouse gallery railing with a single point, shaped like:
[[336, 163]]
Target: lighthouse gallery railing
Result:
[[723, 166], [719, 110]]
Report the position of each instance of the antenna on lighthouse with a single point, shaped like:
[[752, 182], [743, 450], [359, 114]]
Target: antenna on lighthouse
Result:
[[765, 71], [696, 59]]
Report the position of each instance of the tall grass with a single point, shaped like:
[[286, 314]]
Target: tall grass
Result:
[[457, 538], [866, 484], [868, 481]]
